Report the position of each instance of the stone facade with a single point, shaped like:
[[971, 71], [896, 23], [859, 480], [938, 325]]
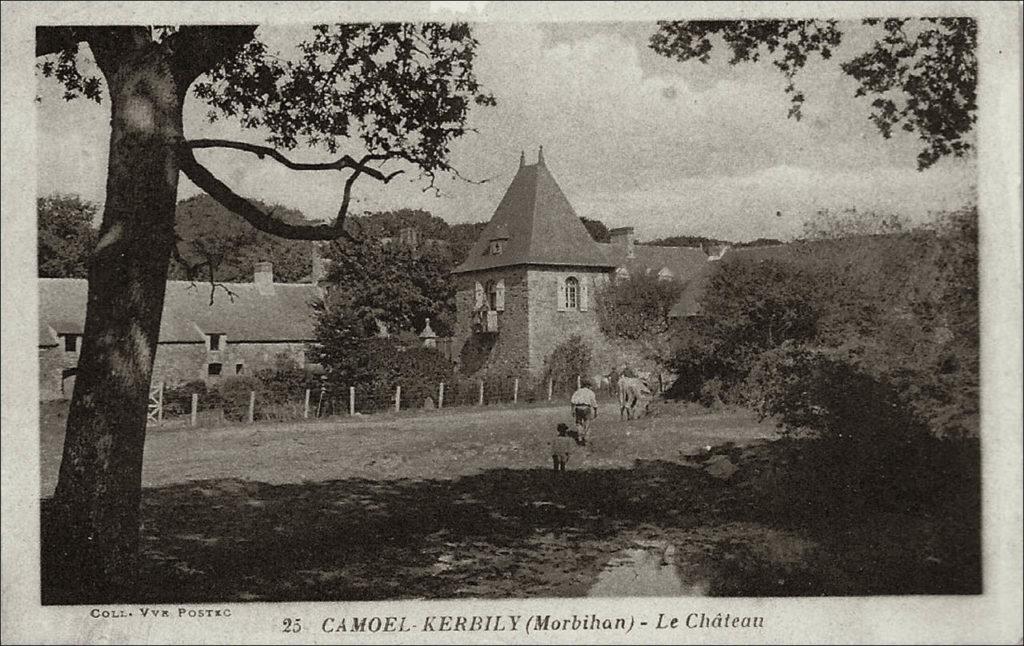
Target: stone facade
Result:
[[551, 325], [199, 340], [507, 351], [181, 362], [531, 322], [175, 363]]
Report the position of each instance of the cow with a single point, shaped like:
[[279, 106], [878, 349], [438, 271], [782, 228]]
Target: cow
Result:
[[633, 390]]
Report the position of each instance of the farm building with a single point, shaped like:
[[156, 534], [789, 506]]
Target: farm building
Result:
[[236, 334], [529, 281]]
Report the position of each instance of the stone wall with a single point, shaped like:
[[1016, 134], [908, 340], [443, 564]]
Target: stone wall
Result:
[[175, 363], [506, 352], [549, 327]]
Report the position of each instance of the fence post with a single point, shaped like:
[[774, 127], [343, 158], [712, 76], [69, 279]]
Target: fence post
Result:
[[480, 399], [252, 406], [551, 387], [398, 398], [305, 406], [160, 410], [515, 391], [351, 400], [195, 408], [440, 396]]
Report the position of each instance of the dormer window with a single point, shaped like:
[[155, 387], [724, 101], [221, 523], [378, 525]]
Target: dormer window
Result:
[[496, 247]]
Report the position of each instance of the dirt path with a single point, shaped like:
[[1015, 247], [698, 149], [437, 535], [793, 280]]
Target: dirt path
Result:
[[463, 503], [441, 444]]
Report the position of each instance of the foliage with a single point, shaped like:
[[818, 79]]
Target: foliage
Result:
[[752, 305], [922, 72], [354, 356], [461, 238], [378, 82], [685, 241], [637, 308], [66, 235], [893, 315], [569, 359], [828, 224], [394, 284], [229, 248], [395, 93]]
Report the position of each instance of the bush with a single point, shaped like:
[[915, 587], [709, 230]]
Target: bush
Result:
[[568, 360], [178, 399], [234, 393], [419, 370]]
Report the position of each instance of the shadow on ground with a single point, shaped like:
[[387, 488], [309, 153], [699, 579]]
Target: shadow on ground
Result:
[[518, 533]]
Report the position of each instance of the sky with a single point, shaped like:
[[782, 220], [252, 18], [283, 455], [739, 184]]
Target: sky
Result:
[[634, 139]]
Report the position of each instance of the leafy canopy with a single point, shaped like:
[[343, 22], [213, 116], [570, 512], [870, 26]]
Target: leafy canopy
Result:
[[921, 73], [214, 242], [66, 235]]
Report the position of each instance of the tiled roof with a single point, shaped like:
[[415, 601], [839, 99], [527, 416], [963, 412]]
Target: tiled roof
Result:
[[537, 226], [282, 315]]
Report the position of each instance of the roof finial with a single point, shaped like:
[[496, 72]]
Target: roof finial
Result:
[[522, 158], [540, 155]]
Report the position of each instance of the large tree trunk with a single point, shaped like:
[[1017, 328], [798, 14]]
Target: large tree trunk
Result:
[[92, 524]]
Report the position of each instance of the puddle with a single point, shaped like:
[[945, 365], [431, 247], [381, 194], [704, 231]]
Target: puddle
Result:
[[645, 571]]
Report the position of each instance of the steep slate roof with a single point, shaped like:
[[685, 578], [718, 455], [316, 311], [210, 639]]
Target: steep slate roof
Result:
[[283, 315], [537, 225]]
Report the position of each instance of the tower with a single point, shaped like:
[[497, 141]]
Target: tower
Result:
[[528, 281]]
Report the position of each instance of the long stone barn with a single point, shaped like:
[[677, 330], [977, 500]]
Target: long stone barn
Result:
[[238, 335]]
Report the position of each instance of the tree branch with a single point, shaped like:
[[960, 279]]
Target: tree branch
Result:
[[265, 222], [191, 270], [197, 50], [266, 151]]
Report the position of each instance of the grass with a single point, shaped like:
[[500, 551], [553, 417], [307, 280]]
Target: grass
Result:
[[462, 503]]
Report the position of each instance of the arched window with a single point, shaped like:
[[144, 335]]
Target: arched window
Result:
[[572, 293]]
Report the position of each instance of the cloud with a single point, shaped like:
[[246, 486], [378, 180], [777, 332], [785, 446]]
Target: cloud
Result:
[[667, 147]]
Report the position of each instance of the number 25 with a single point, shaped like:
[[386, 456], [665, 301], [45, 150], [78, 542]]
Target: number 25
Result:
[[292, 626]]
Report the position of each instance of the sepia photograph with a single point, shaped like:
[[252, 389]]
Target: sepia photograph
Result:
[[506, 322]]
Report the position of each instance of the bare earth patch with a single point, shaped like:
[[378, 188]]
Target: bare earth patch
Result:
[[462, 503]]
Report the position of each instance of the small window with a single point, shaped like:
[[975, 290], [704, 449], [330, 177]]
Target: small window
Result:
[[239, 368], [495, 247], [70, 343], [572, 293], [213, 369], [214, 342]]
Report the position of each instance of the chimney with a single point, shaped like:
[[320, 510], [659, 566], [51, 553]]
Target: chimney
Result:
[[522, 158], [623, 237], [263, 278], [540, 156]]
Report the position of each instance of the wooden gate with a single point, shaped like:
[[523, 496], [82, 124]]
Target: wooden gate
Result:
[[155, 412]]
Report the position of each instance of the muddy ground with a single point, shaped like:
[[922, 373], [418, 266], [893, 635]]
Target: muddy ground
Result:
[[463, 503]]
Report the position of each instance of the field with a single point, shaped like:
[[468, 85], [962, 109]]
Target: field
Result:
[[463, 503]]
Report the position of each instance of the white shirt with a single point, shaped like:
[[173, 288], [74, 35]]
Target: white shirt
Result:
[[584, 396]]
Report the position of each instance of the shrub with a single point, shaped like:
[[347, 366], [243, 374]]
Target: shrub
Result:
[[234, 393], [568, 360]]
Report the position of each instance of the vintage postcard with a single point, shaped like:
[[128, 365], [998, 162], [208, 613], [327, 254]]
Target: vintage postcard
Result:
[[507, 322]]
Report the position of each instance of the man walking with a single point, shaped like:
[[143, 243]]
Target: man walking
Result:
[[584, 409]]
